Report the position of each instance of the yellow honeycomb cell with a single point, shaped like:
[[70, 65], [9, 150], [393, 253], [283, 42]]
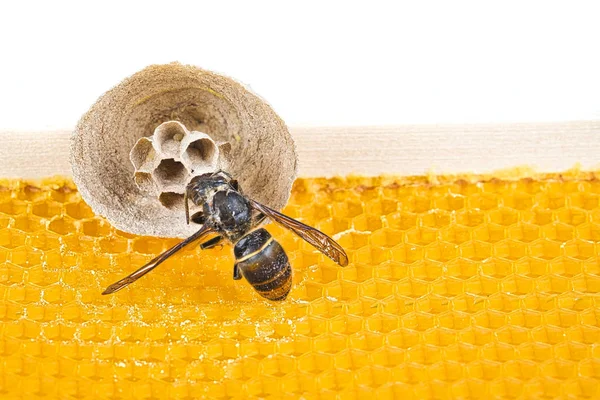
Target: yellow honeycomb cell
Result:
[[457, 287]]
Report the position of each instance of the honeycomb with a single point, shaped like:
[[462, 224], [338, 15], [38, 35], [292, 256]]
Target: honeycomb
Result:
[[457, 287]]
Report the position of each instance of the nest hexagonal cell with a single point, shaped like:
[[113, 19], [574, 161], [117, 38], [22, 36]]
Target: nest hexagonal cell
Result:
[[170, 175], [199, 151], [168, 137], [143, 155], [145, 182], [171, 199]]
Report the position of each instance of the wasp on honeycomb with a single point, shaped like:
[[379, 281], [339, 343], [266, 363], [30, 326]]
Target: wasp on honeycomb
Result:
[[234, 217]]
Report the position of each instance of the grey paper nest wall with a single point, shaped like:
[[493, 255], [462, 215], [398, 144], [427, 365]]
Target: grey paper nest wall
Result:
[[253, 145]]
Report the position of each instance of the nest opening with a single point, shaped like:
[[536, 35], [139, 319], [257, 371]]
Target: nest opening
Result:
[[200, 151], [145, 182], [171, 200], [141, 153], [170, 173], [168, 138]]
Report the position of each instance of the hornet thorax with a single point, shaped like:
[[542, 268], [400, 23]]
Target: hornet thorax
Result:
[[222, 204]]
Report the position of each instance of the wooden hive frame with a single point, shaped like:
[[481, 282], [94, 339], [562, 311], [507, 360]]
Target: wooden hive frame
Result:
[[372, 150]]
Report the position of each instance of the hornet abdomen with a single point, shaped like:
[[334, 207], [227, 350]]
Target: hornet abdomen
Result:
[[264, 264]]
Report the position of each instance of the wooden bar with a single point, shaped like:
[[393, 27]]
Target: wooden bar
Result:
[[403, 150]]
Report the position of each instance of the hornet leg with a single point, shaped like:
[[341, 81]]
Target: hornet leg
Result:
[[209, 244], [237, 275]]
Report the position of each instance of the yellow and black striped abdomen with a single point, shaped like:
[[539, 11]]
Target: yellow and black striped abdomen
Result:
[[264, 264]]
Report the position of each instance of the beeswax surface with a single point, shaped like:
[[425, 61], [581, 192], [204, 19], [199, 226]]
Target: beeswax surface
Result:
[[457, 287]]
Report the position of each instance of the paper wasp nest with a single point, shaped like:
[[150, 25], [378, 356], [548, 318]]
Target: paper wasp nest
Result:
[[138, 146], [166, 162]]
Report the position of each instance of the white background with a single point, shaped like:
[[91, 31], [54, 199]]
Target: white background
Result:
[[317, 63]]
